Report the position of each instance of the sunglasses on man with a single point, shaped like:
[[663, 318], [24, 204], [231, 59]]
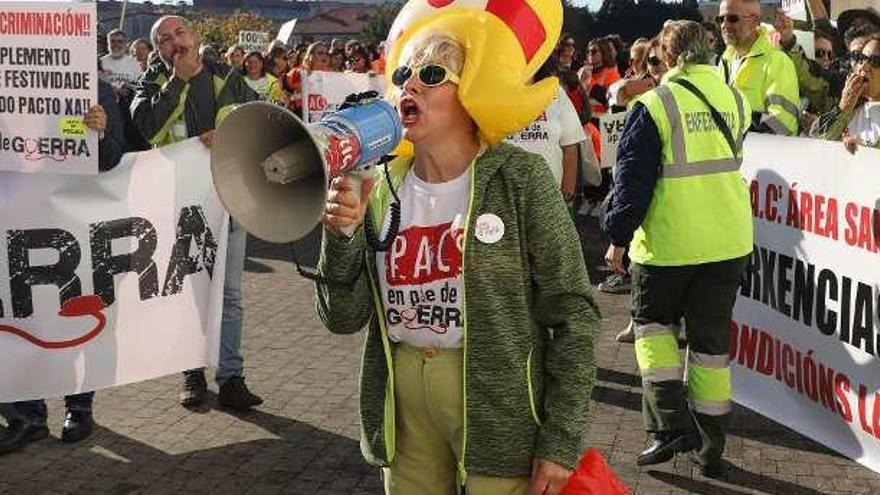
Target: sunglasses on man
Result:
[[654, 61], [729, 18], [430, 75]]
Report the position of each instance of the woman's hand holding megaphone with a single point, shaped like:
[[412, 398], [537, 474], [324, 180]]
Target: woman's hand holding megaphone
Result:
[[347, 203]]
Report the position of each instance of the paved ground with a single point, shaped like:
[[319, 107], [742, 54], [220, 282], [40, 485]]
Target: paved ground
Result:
[[303, 440]]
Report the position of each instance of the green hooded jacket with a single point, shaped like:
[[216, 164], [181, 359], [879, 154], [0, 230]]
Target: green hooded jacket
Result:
[[527, 387]]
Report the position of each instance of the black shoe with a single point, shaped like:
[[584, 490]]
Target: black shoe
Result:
[[20, 433], [616, 284], [195, 387], [709, 469], [234, 394], [665, 445], [628, 334], [78, 425]]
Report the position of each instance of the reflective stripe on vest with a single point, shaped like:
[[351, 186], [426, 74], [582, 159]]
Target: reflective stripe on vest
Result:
[[785, 104], [700, 210], [680, 166], [709, 383]]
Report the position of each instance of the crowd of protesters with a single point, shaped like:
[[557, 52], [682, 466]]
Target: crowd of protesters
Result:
[[778, 90], [831, 96]]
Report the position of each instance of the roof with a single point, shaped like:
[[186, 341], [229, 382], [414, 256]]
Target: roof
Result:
[[344, 20]]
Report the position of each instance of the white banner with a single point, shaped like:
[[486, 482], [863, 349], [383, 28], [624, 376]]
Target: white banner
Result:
[[611, 127], [48, 81], [805, 333], [253, 41], [324, 92], [110, 279]]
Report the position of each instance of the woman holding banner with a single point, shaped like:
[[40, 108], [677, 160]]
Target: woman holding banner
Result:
[[26, 420], [463, 381]]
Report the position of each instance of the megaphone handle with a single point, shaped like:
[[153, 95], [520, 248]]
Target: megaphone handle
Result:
[[357, 182]]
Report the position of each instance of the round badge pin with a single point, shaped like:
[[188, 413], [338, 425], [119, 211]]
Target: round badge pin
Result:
[[489, 228]]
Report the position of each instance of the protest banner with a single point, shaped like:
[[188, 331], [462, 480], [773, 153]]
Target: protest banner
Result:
[[324, 92], [611, 127], [796, 9], [253, 41], [805, 331], [110, 279], [49, 80]]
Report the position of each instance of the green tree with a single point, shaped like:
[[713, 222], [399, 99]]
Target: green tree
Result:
[[223, 31], [633, 19], [376, 30]]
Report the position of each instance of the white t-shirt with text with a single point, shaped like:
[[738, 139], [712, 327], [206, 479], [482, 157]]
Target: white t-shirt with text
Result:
[[558, 126], [420, 275], [120, 71]]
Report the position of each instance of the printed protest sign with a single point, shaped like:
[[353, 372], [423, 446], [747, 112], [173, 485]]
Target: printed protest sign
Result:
[[48, 80], [806, 330], [611, 127], [285, 32], [110, 279], [324, 92], [253, 40]]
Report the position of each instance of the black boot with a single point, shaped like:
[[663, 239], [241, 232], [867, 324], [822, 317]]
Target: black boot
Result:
[[20, 433], [78, 425], [716, 469], [234, 394], [195, 387], [665, 445]]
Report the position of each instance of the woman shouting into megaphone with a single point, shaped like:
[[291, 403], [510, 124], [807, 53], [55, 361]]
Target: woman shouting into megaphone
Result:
[[479, 353]]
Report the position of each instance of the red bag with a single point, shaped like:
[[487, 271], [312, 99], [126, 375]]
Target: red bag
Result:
[[593, 476]]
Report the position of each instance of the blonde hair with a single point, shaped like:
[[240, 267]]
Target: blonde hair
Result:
[[309, 57], [684, 43], [638, 53], [434, 48]]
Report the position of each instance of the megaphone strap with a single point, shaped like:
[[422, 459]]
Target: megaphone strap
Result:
[[393, 223]]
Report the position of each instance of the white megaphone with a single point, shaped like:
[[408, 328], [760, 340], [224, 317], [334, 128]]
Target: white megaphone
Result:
[[272, 171]]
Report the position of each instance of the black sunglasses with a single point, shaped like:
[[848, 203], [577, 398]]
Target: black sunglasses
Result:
[[430, 75], [822, 53], [873, 61], [654, 61], [731, 18], [855, 58]]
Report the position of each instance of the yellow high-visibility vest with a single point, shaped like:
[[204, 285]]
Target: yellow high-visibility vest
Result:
[[768, 79], [700, 211]]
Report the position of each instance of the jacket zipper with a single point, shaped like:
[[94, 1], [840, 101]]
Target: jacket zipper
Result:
[[390, 433], [462, 469]]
